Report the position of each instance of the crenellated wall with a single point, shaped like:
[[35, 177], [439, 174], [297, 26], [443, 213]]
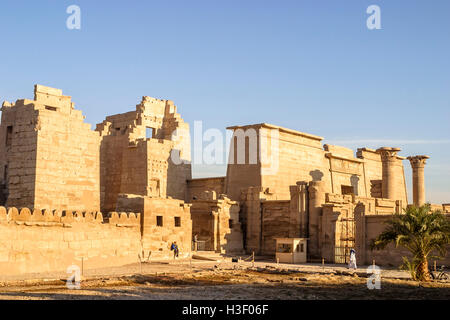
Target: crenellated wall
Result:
[[50, 241]]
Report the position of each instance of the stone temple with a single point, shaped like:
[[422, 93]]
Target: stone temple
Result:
[[124, 191]]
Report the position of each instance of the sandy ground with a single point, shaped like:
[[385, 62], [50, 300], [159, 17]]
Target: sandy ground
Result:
[[206, 280]]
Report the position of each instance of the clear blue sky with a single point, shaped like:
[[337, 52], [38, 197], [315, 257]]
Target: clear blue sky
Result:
[[311, 65]]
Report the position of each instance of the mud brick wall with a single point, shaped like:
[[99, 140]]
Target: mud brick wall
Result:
[[46, 241]]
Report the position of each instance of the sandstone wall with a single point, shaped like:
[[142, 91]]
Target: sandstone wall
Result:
[[45, 241], [301, 158], [18, 148], [297, 156], [373, 174], [275, 224], [113, 145], [67, 166], [135, 172], [158, 239], [242, 174], [134, 162], [52, 157], [369, 226], [196, 187], [216, 221]]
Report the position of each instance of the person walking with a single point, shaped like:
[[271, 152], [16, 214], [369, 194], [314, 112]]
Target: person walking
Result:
[[352, 263], [174, 247], [195, 242]]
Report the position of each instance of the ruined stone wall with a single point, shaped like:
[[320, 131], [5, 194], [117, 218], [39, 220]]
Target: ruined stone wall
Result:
[[391, 256], [342, 224], [243, 170], [114, 142], [51, 241], [327, 233], [275, 224], [18, 147], [295, 156], [370, 221], [135, 171], [301, 158], [216, 221], [373, 174], [251, 218], [203, 226], [196, 187], [158, 238], [156, 165], [59, 154], [347, 172], [67, 166], [373, 171], [148, 170]]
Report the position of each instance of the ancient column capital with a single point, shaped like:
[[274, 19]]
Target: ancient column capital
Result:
[[418, 161], [388, 154]]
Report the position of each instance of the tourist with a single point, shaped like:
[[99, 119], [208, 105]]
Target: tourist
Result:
[[195, 242], [352, 263], [174, 247]]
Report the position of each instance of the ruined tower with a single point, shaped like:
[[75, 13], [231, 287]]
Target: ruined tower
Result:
[[49, 158], [144, 152]]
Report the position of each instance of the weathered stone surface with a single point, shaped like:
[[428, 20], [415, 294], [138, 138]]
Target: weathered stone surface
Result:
[[215, 223], [51, 157], [56, 174], [132, 162]]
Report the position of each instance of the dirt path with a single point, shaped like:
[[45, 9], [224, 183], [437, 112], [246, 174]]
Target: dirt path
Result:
[[211, 281]]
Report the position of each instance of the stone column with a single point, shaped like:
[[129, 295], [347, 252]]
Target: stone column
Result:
[[215, 234], [418, 166], [316, 191], [298, 221], [388, 159]]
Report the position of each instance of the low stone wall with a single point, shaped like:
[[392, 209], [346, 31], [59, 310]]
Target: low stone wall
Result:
[[371, 226], [45, 241]]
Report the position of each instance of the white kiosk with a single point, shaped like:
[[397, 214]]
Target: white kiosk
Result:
[[291, 250]]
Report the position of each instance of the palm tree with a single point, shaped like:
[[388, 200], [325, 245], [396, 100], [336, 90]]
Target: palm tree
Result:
[[422, 232]]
